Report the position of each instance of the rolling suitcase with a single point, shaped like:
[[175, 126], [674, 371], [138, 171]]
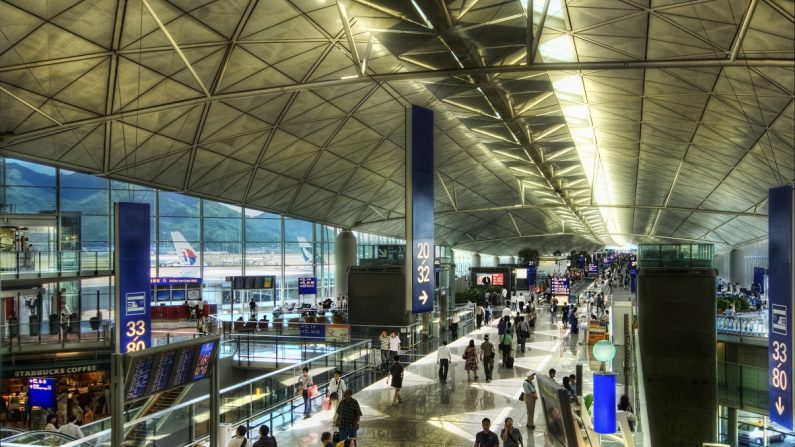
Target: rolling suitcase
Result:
[[509, 362]]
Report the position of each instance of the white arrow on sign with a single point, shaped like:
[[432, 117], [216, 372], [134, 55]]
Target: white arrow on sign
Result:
[[779, 406], [424, 298]]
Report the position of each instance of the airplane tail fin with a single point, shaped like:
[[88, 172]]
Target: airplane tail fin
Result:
[[306, 249], [186, 252]]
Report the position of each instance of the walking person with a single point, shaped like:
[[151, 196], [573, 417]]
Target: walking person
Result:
[[471, 358], [510, 435], [348, 414], [336, 388], [486, 438], [394, 345], [487, 313], [553, 310], [505, 345], [396, 374], [384, 339], [530, 397], [454, 320], [304, 382], [479, 315], [443, 359], [487, 355], [522, 334], [565, 315]]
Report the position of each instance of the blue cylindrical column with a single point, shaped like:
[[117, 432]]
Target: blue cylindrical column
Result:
[[604, 403]]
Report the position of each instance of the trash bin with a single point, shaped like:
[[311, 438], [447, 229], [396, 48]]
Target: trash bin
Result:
[[54, 323], [35, 325]]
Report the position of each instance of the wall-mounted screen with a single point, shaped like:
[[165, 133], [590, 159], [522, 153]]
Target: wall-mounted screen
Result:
[[41, 392]]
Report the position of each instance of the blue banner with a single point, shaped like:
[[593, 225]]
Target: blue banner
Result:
[[163, 280], [311, 330], [780, 209], [531, 277], [421, 169], [307, 286], [132, 276]]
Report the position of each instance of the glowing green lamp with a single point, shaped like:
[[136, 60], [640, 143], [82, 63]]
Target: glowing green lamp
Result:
[[604, 351]]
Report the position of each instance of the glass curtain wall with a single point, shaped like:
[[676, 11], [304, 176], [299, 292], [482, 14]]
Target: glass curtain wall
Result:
[[191, 237]]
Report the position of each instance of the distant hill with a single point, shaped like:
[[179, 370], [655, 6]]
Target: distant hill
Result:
[[33, 192]]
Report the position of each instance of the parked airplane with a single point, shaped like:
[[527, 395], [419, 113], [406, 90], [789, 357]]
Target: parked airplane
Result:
[[186, 256]]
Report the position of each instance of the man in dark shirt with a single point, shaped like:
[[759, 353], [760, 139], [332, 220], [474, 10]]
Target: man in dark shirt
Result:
[[486, 438], [347, 417], [265, 439]]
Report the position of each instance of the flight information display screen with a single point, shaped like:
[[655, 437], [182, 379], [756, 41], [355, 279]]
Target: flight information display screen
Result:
[[251, 282], [164, 367]]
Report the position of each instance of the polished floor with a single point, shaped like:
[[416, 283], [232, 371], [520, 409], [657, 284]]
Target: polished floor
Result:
[[449, 414]]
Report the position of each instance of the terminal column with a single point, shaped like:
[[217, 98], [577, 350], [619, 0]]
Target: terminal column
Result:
[[344, 257], [476, 260]]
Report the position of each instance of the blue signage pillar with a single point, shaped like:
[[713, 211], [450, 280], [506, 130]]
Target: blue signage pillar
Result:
[[781, 207], [133, 316], [604, 403], [419, 209]]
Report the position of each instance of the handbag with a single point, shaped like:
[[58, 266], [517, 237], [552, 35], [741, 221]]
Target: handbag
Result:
[[312, 390], [326, 404], [521, 396], [334, 396]]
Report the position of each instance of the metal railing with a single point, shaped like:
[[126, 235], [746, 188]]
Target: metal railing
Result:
[[36, 263], [15, 335], [270, 397], [745, 325]]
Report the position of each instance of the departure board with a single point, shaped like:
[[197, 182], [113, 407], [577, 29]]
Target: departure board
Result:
[[559, 286], [203, 360], [164, 367], [138, 377], [161, 371], [183, 367], [251, 282]]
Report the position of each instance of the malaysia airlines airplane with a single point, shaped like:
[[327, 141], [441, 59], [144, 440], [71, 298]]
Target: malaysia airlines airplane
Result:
[[186, 256]]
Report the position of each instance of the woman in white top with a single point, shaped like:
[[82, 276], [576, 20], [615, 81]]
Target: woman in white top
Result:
[[336, 388], [394, 344], [384, 339], [304, 382]]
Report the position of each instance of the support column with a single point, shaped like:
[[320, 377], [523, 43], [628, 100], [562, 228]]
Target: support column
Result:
[[344, 257], [476, 260], [733, 440]]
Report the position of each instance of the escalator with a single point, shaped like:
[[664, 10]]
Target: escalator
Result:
[[40, 437], [137, 436]]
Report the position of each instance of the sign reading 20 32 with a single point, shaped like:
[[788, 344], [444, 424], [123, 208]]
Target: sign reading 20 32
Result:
[[423, 276]]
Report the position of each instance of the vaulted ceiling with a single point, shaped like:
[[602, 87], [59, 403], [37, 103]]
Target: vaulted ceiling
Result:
[[630, 121]]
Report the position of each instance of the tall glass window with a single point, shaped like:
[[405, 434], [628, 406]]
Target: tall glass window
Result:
[[179, 235], [223, 238]]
